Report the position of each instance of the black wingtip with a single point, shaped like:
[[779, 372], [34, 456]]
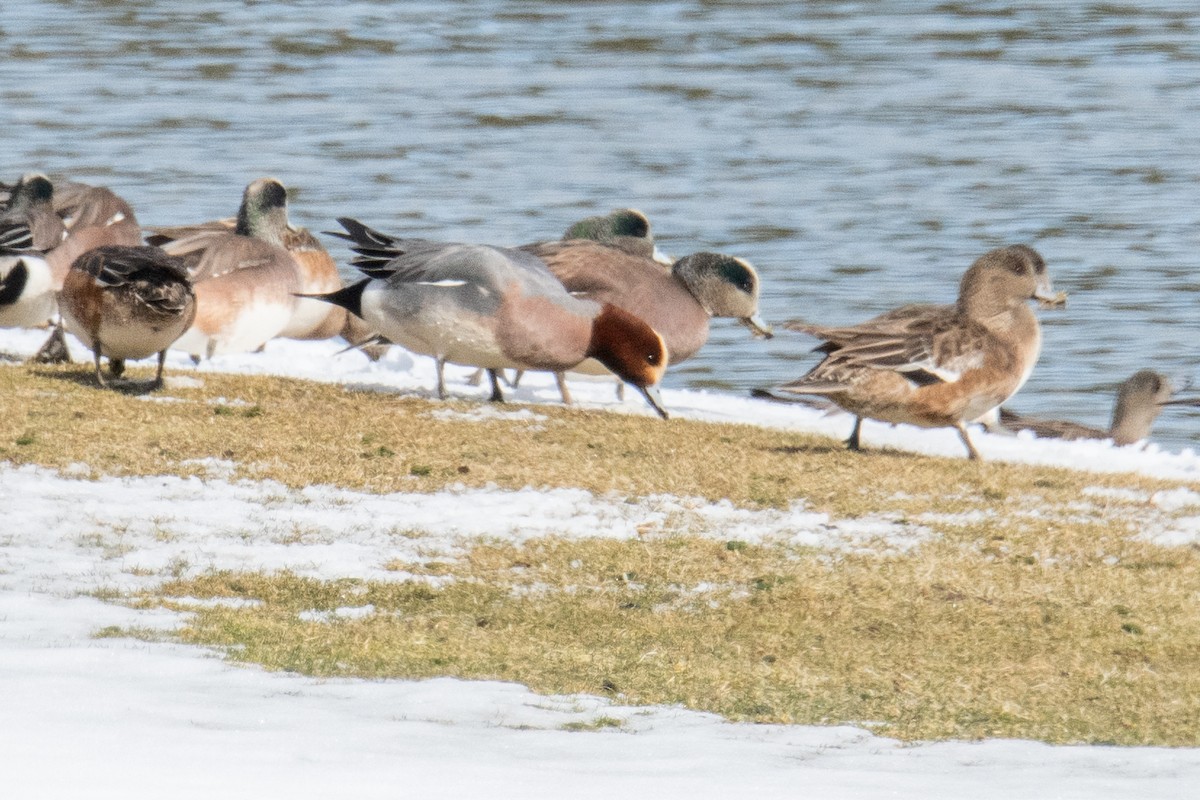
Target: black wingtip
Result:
[[349, 298]]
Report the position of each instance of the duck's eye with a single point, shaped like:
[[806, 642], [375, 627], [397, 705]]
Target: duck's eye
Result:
[[652, 359]]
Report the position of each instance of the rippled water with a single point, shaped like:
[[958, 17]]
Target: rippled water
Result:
[[861, 154]]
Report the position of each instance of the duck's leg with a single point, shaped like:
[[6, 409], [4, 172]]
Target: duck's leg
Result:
[[441, 377], [99, 374], [158, 376], [854, 441], [54, 350], [972, 453], [494, 377], [560, 378]]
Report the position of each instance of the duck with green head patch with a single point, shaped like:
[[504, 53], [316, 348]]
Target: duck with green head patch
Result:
[[678, 303], [491, 307]]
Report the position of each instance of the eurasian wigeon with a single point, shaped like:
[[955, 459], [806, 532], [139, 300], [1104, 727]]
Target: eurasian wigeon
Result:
[[625, 229], [245, 281], [318, 271], [938, 366], [1140, 399], [127, 303], [492, 307]]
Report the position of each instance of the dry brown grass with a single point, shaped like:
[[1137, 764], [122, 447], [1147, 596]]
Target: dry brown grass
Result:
[[933, 645], [1060, 625], [302, 433]]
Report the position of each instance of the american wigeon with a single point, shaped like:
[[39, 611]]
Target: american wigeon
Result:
[[127, 303], [318, 271], [27, 295], [93, 216], [491, 307], [1140, 399], [678, 303], [625, 229], [31, 203], [938, 366], [68, 219], [245, 281]]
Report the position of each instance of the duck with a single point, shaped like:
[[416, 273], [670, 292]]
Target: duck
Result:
[[491, 307], [31, 203], [938, 366], [318, 271], [27, 296], [1140, 399], [626, 229], [245, 281], [127, 303], [678, 303], [92, 216], [65, 219]]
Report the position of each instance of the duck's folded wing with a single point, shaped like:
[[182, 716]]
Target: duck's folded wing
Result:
[[15, 237], [81, 205], [161, 235], [573, 263], [925, 350], [115, 266]]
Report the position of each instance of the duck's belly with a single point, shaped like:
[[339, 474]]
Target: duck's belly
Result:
[[434, 325]]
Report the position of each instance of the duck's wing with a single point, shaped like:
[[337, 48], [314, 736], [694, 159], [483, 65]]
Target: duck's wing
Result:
[[161, 235], [586, 268], [1049, 428], [925, 348], [15, 237], [117, 266], [81, 205], [449, 264]]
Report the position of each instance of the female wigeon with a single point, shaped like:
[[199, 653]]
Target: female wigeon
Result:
[[318, 271], [127, 303], [938, 366], [492, 307], [1139, 401], [245, 281]]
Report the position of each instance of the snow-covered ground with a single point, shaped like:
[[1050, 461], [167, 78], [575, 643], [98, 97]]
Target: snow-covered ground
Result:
[[88, 717]]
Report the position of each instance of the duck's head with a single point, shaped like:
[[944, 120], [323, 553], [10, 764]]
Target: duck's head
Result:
[[33, 189], [627, 222], [725, 286], [632, 350], [626, 229], [1004, 278], [1139, 400], [263, 213]]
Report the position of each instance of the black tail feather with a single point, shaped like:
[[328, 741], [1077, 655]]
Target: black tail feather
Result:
[[349, 298]]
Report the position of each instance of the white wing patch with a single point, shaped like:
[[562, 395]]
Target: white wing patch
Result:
[[445, 283]]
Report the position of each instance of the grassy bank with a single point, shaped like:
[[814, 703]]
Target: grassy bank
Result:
[[1032, 609]]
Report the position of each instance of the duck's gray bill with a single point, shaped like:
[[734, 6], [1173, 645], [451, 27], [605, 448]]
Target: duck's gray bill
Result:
[[654, 399], [757, 326]]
